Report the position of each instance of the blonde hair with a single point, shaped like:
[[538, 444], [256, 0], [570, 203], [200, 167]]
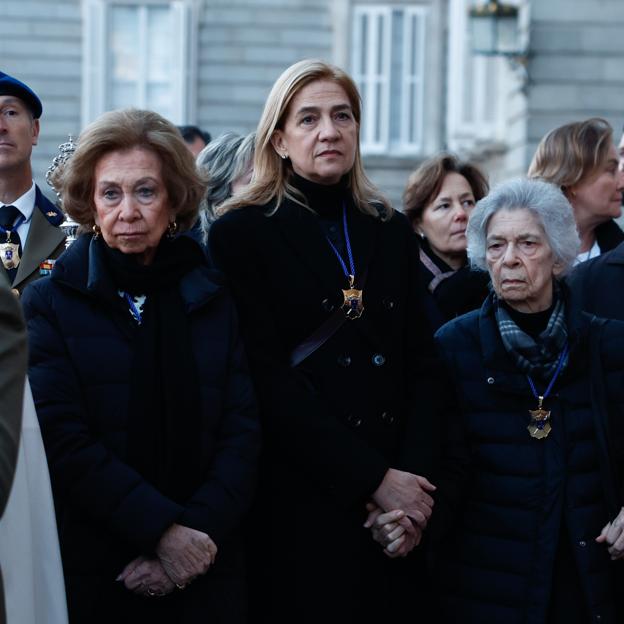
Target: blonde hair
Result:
[[124, 130], [271, 177], [572, 153]]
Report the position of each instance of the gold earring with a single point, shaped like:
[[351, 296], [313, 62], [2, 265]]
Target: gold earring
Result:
[[172, 228], [96, 231]]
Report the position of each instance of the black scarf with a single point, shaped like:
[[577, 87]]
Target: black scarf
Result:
[[164, 425]]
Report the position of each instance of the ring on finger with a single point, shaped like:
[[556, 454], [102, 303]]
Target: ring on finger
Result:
[[180, 585], [151, 592]]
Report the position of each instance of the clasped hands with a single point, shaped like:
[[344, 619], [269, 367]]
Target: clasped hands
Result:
[[182, 554], [399, 512]]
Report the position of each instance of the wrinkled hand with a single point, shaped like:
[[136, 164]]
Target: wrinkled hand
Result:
[[613, 535], [408, 492], [185, 553], [146, 577], [387, 531]]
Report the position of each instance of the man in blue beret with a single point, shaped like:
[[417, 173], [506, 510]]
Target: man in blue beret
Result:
[[29, 232]]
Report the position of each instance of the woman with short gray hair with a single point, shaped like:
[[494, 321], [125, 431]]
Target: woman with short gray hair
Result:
[[545, 201], [228, 163], [527, 521]]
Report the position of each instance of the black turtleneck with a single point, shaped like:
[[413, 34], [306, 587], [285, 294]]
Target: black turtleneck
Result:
[[531, 323], [327, 201]]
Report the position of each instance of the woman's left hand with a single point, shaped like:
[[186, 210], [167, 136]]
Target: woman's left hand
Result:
[[146, 577], [613, 535]]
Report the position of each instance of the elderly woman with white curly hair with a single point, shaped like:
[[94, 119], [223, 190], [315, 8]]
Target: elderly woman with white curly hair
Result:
[[527, 523]]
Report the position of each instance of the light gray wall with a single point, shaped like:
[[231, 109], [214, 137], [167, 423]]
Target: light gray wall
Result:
[[40, 43], [576, 66], [244, 45]]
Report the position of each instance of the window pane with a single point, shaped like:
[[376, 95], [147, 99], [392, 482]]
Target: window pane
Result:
[[396, 76], [159, 99], [124, 48], [123, 95], [159, 44], [380, 45], [378, 98], [364, 44]]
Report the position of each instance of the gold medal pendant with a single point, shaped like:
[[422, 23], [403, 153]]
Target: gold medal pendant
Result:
[[9, 253], [539, 427], [353, 305]]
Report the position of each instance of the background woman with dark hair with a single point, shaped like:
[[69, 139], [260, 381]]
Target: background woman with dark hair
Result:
[[438, 200]]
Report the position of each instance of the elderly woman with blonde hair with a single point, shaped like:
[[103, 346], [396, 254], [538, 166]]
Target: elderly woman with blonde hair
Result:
[[580, 158], [141, 388]]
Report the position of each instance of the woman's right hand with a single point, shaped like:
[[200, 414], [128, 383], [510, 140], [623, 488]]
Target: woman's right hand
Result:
[[387, 531], [185, 553]]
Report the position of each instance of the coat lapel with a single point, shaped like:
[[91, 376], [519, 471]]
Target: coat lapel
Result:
[[43, 239], [304, 235]]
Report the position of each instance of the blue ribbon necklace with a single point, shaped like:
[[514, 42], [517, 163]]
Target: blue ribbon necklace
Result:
[[353, 305], [134, 310], [540, 427]]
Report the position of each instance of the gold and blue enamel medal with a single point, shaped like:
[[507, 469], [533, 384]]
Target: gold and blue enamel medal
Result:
[[353, 304], [539, 427]]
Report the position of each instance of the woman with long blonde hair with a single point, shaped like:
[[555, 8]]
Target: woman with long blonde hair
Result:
[[324, 273]]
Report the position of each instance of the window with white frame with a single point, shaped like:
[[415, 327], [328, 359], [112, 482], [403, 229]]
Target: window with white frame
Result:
[[388, 56], [139, 53], [478, 87]]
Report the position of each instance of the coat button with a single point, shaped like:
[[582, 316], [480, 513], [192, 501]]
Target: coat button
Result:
[[582, 543], [327, 305], [344, 361], [378, 359], [387, 418], [354, 420], [388, 304], [490, 380]]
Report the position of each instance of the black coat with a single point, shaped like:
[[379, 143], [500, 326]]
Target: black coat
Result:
[[609, 235], [517, 503], [81, 351], [453, 296], [337, 422], [598, 284]]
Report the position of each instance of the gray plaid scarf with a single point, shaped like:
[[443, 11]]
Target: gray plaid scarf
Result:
[[533, 357]]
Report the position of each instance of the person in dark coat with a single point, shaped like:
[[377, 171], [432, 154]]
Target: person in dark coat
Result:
[[581, 159], [141, 388], [325, 275], [528, 517], [598, 285], [438, 200]]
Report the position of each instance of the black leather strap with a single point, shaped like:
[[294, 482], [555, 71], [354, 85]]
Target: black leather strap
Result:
[[322, 334]]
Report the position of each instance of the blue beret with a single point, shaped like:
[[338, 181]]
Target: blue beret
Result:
[[12, 86]]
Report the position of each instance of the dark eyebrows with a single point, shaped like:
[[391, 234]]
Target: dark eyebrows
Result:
[[466, 195], [315, 109]]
